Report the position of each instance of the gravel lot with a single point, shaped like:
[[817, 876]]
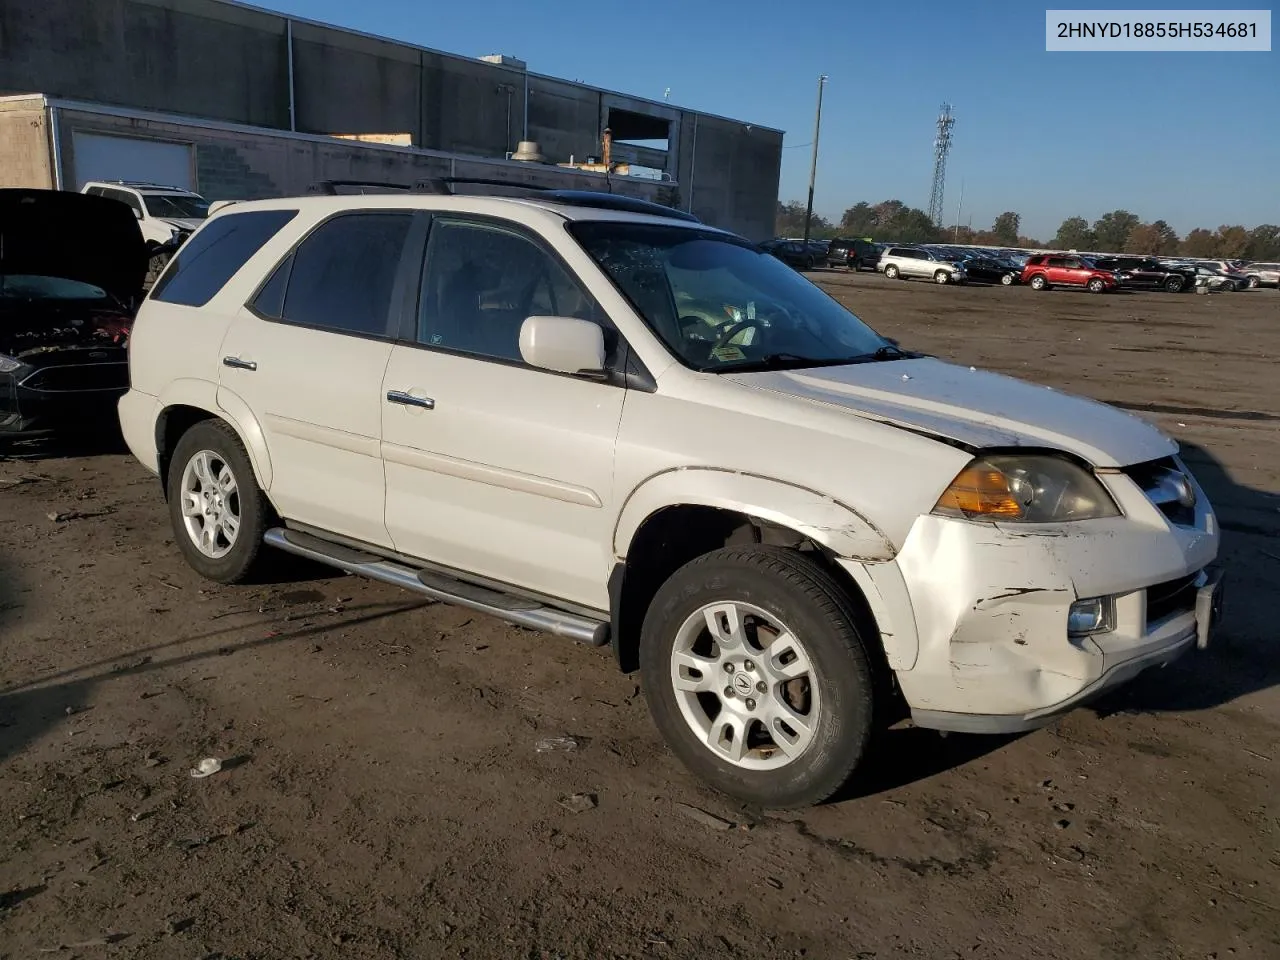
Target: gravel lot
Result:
[[382, 794]]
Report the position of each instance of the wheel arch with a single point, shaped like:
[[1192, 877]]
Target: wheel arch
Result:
[[680, 515], [185, 403]]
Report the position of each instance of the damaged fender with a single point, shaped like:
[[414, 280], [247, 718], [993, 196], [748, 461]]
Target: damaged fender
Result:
[[823, 519]]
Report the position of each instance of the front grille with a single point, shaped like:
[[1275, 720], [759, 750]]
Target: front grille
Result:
[[76, 377], [1171, 597], [1163, 482]]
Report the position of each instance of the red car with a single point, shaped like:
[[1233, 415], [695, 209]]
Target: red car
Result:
[[1057, 270]]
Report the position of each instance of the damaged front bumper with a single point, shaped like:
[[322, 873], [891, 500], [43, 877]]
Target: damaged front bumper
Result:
[[42, 401], [984, 646]]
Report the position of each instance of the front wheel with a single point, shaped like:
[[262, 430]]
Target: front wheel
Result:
[[942, 277], [1038, 282], [217, 510], [1252, 283], [1096, 286], [891, 272], [1174, 284], [757, 677], [1007, 280]]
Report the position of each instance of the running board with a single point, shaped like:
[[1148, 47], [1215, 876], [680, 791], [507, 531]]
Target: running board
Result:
[[438, 586]]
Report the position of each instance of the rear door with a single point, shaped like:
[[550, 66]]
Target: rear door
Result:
[[307, 355]]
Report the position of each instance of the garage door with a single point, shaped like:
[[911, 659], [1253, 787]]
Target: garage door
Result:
[[98, 157]]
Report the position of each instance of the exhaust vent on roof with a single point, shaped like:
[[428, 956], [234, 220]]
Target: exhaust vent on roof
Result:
[[527, 150]]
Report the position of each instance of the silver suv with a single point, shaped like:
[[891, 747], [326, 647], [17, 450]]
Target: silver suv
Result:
[[1263, 274], [906, 262]]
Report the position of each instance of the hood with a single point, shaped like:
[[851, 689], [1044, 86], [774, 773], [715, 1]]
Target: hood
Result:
[[182, 223], [55, 233], [974, 408]]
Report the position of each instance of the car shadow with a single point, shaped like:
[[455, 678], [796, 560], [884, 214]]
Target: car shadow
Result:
[[1242, 658], [906, 755], [100, 439], [29, 711]]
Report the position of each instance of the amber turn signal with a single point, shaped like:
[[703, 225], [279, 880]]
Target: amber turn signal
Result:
[[980, 491]]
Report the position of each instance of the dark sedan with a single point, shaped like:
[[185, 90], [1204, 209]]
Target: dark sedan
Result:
[[991, 270], [71, 269], [1143, 273]]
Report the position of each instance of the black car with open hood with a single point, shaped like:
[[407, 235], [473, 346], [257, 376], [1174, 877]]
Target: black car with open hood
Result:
[[72, 268]]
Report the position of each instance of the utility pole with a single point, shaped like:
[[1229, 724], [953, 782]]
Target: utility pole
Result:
[[813, 164], [959, 208]]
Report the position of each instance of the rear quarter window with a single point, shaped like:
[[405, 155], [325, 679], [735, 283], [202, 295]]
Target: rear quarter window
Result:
[[213, 256]]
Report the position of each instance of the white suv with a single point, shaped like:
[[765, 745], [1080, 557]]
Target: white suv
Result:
[[166, 215], [628, 428], [903, 263]]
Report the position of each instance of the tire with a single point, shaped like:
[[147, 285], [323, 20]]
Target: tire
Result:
[[942, 277], [1096, 286], [891, 271], [1252, 283], [1038, 282], [1007, 280], [768, 585], [808, 264], [1174, 284], [229, 558], [156, 262]]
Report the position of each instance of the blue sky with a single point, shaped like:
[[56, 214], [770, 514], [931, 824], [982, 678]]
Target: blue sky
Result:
[[1193, 138]]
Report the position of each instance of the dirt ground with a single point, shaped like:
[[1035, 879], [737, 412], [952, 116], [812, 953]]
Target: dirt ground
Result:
[[382, 794]]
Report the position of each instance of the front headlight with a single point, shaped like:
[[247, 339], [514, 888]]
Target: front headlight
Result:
[[1025, 489], [8, 364]]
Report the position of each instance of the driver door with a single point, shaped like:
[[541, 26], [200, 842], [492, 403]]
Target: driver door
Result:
[[494, 467]]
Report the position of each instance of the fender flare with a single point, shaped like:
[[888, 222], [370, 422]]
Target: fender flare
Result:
[[823, 519], [220, 402]]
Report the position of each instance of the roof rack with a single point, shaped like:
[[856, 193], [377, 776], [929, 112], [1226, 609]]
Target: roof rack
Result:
[[335, 187], [144, 183], [574, 198]]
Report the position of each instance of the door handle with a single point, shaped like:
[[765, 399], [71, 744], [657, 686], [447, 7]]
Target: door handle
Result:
[[409, 400], [239, 364]]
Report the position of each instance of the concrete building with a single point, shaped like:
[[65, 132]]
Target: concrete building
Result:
[[242, 103]]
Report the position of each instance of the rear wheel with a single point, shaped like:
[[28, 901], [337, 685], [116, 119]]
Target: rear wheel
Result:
[[218, 512], [1252, 283], [1007, 279], [756, 675], [891, 272], [1175, 284], [1096, 285], [1038, 282]]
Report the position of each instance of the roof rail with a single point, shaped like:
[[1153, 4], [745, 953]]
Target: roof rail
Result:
[[144, 183], [576, 198], [333, 187]]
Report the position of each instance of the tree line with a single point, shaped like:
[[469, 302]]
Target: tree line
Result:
[[1116, 232]]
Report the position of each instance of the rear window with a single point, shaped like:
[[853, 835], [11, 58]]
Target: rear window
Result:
[[214, 255]]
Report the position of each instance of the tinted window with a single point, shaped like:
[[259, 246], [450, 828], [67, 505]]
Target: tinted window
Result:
[[124, 196], [344, 272], [270, 299], [1058, 262], [214, 254], [482, 281]]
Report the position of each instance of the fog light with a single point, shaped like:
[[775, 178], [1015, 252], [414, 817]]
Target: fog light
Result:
[[1095, 615]]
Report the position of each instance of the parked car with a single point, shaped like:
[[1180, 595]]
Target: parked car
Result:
[[1262, 274], [990, 270], [1144, 273], [907, 262], [794, 253], [1216, 281], [71, 268], [166, 215], [1055, 270], [554, 413], [853, 254]]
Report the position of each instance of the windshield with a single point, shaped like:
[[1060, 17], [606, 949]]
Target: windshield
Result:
[[719, 304], [182, 206], [28, 287]]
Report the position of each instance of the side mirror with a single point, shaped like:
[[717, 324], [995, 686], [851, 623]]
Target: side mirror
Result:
[[563, 345]]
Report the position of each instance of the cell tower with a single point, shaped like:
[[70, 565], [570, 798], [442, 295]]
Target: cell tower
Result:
[[941, 146]]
